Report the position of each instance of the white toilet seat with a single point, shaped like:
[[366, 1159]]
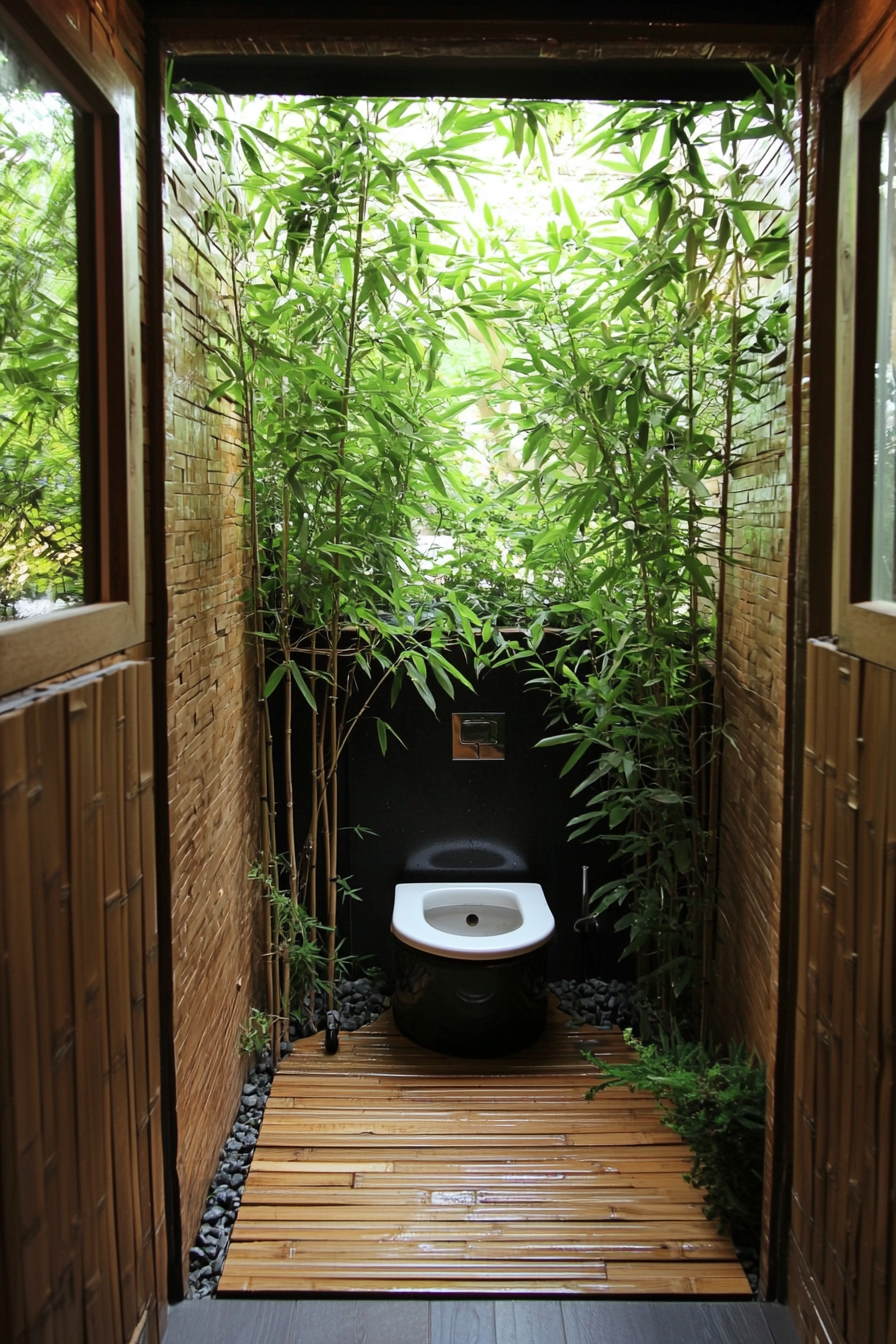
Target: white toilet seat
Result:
[[493, 906]]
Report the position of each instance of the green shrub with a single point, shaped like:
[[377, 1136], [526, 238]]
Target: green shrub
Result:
[[716, 1101], [255, 1035]]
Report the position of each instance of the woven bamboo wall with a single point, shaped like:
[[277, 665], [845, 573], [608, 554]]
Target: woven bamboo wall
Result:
[[843, 1239], [83, 1225], [753, 671], [212, 716], [745, 980]]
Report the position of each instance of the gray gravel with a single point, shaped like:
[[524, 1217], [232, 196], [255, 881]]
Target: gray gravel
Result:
[[360, 1001], [602, 1003], [208, 1252]]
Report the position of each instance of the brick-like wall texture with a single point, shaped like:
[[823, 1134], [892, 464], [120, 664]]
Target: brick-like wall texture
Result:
[[746, 974], [212, 718], [753, 672]]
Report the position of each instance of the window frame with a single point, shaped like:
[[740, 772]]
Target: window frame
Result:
[[111, 435], [865, 627]]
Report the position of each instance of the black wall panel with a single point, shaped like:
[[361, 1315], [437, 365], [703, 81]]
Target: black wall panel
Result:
[[433, 815]]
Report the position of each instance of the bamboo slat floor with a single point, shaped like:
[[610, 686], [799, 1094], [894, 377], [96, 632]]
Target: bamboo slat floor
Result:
[[388, 1168]]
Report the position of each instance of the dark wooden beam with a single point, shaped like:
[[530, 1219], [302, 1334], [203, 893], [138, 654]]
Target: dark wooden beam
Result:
[[466, 77]]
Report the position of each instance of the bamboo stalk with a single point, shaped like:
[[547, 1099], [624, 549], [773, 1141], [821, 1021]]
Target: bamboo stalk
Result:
[[332, 838], [311, 898], [715, 749], [268, 970], [311, 845], [325, 846], [333, 856]]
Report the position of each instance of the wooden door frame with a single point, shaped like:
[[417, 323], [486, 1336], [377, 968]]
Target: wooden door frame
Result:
[[638, 47]]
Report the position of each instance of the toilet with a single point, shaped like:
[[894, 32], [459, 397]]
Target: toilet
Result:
[[471, 964]]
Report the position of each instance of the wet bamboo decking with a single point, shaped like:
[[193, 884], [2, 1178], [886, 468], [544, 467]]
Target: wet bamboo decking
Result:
[[390, 1169]]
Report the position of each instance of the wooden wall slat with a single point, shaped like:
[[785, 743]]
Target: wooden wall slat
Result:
[[843, 992], [884, 937], [42, 831], [118, 1000], [813, 753], [140, 711], [876, 730], [136, 895], [80, 1128], [24, 1124], [823, 948], [87, 953], [48, 828], [25, 1048], [843, 1228], [806, 1151], [40, 954]]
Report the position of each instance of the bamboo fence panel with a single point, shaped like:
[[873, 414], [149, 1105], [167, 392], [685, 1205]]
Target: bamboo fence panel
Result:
[[80, 1126], [843, 1242]]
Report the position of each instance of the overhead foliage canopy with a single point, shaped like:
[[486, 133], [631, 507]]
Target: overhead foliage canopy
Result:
[[464, 416]]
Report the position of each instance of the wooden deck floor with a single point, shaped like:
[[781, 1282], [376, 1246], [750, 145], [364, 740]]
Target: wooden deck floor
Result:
[[390, 1169]]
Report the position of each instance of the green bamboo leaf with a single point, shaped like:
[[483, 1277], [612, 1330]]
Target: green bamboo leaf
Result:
[[274, 679], [571, 209], [665, 202], [761, 79], [441, 179], [251, 154], [303, 686], [442, 677], [519, 133], [575, 757], [421, 687]]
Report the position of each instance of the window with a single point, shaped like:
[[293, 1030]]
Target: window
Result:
[[865, 431], [71, 507], [41, 549], [883, 545]]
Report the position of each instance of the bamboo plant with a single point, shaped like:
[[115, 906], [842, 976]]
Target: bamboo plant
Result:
[[386, 314]]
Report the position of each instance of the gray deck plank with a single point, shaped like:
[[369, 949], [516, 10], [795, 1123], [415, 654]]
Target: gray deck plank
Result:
[[354, 1321], [460, 1322], [780, 1323], [358, 1320], [250, 1322], [608, 1322], [532, 1321]]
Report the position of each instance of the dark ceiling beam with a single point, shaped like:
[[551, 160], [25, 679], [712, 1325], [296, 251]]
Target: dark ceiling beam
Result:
[[721, 30], [577, 16], [463, 77]]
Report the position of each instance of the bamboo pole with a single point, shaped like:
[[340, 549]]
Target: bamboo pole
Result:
[[286, 645], [333, 853], [333, 717], [311, 898], [311, 845], [712, 857]]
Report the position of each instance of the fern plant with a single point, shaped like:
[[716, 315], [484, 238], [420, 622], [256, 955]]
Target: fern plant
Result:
[[715, 1100]]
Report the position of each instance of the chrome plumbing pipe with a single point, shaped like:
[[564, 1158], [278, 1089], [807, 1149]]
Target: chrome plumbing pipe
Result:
[[586, 919]]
